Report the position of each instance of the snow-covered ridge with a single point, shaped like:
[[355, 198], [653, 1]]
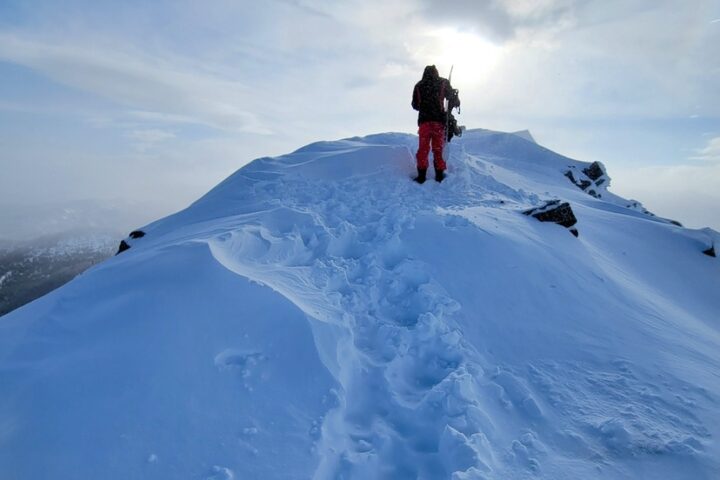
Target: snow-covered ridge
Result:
[[319, 315]]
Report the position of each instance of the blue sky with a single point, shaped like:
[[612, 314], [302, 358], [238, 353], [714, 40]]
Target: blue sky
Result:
[[153, 103]]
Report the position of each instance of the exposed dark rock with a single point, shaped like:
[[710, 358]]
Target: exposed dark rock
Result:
[[556, 212], [637, 206], [135, 234], [589, 179], [123, 246], [710, 252], [594, 171], [583, 184]]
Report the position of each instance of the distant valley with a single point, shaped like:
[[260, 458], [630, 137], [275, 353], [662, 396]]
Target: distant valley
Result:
[[28, 272]]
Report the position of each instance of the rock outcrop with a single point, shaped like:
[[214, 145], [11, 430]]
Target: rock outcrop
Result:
[[126, 244], [556, 212], [590, 179], [123, 246]]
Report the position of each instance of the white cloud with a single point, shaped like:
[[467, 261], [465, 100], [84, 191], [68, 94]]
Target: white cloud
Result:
[[501, 20], [138, 81], [150, 136], [687, 193], [160, 117], [566, 59], [304, 70], [711, 152]]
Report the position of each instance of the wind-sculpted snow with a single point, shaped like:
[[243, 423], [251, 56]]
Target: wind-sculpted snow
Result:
[[319, 315]]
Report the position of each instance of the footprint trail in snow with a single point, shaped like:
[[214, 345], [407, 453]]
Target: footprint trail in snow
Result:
[[406, 377], [417, 400]]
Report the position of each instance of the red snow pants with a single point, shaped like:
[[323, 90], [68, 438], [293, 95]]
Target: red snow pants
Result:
[[431, 133]]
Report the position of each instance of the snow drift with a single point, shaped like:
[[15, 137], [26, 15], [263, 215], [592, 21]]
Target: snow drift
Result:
[[319, 315]]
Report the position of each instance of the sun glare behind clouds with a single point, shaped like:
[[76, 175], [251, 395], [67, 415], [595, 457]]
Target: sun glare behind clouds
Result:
[[473, 58]]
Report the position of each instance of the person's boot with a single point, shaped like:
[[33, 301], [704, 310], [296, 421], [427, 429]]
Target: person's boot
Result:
[[422, 174], [439, 175]]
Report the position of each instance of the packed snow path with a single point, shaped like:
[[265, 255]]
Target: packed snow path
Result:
[[449, 335], [399, 356]]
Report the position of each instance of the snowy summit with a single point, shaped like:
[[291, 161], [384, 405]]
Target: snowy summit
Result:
[[319, 315]]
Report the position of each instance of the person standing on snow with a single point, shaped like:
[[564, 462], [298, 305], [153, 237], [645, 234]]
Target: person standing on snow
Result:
[[428, 99]]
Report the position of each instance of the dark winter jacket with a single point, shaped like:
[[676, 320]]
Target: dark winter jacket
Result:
[[429, 94]]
